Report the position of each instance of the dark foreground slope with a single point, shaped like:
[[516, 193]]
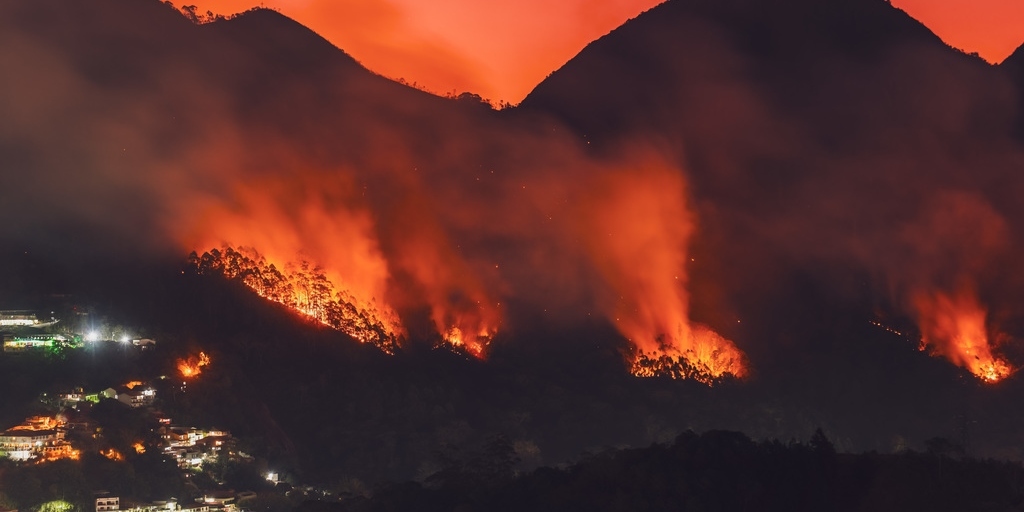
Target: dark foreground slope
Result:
[[322, 408], [717, 470]]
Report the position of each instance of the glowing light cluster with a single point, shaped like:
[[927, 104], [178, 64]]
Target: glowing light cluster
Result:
[[955, 326], [305, 289], [193, 366]]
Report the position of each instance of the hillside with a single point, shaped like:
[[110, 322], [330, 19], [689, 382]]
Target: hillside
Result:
[[816, 186]]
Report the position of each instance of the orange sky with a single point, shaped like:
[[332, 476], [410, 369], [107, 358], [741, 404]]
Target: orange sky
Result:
[[501, 49]]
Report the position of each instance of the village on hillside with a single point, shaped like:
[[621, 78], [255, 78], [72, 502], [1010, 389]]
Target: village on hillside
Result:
[[76, 422]]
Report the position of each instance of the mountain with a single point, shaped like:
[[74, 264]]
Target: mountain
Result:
[[839, 159], [118, 99], [687, 60], [811, 133], [1014, 68]]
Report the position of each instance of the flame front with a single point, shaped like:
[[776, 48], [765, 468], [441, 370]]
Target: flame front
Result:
[[955, 326], [697, 353], [472, 337], [193, 366], [305, 288], [639, 231]]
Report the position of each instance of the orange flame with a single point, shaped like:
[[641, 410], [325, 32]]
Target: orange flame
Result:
[[306, 289], [112, 454], [954, 326], [318, 250], [466, 327], [697, 353], [473, 342], [139, 447], [639, 242], [193, 366]]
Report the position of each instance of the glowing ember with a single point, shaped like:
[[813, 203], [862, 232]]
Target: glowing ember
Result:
[[306, 290], [60, 451], [954, 326], [139, 448], [193, 366], [112, 454]]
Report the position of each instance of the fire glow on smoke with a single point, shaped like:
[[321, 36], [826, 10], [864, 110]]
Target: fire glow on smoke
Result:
[[954, 326], [639, 238], [634, 230], [306, 289]]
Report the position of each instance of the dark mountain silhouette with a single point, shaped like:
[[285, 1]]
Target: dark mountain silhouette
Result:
[[674, 66], [1013, 66]]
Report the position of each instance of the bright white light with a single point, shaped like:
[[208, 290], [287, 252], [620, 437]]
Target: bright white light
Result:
[[125, 339], [92, 336]]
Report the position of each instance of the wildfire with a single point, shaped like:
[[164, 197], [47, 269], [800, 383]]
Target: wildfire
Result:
[[474, 345], [954, 326], [697, 353], [305, 289], [139, 447], [60, 452], [470, 332], [193, 366], [37, 423], [638, 229], [112, 454]]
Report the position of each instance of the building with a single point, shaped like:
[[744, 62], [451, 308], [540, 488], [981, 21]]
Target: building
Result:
[[18, 319], [38, 438], [192, 447], [22, 445], [144, 343], [136, 397], [108, 503], [224, 501], [168, 506], [35, 342]]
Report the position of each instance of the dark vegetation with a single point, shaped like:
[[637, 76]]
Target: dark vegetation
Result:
[[714, 471]]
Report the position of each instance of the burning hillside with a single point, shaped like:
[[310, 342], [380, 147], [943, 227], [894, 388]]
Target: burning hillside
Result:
[[954, 326], [305, 289], [641, 230]]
